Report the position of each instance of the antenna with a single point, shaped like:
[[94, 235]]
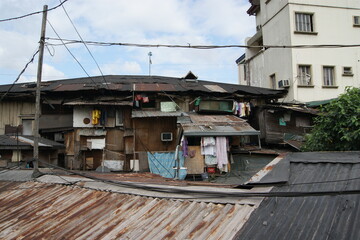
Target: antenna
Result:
[[150, 62]]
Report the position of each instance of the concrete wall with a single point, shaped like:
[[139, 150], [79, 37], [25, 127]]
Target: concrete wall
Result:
[[333, 24]]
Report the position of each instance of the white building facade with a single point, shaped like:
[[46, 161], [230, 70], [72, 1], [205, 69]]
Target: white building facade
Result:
[[312, 73]]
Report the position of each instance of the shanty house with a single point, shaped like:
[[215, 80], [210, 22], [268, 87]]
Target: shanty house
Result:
[[111, 120]]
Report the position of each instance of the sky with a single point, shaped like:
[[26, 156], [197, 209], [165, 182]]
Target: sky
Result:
[[173, 22]]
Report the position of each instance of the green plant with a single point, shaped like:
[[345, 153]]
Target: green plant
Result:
[[337, 128]]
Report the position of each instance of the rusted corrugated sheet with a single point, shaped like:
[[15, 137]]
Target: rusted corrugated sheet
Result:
[[153, 87], [217, 125], [154, 113], [92, 103], [43, 211]]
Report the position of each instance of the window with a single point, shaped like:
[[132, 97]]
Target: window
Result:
[[27, 126], [356, 21], [273, 81], [329, 76], [304, 75], [304, 22], [347, 71], [119, 116]]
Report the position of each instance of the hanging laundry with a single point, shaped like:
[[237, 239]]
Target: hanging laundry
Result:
[[221, 152], [145, 99], [138, 97], [184, 146], [247, 111], [210, 160], [208, 146]]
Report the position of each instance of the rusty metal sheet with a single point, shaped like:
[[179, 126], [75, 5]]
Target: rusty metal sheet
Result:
[[154, 113], [33, 210], [153, 87], [105, 103], [217, 125]]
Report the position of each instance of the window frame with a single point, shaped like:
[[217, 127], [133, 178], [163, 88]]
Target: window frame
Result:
[[347, 73], [303, 28], [333, 80], [356, 21], [301, 82], [273, 82]]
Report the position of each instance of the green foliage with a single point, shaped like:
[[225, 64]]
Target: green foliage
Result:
[[337, 128]]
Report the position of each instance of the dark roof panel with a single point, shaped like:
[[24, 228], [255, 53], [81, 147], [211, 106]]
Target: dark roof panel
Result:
[[142, 83], [311, 217]]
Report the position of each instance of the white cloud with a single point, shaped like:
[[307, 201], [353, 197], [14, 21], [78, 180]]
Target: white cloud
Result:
[[195, 22]]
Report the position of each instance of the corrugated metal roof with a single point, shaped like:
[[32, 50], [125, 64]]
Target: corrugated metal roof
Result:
[[143, 83], [217, 125], [315, 217], [26, 142], [105, 103], [155, 113], [34, 210]]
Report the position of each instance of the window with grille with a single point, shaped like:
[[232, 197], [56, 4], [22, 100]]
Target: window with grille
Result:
[[304, 22], [304, 75], [329, 76]]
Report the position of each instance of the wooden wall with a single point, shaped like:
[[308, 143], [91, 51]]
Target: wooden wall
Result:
[[10, 113], [148, 133]]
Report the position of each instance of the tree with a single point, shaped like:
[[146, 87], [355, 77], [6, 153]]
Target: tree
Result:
[[337, 128]]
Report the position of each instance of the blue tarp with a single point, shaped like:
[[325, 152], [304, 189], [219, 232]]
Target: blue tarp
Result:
[[163, 164]]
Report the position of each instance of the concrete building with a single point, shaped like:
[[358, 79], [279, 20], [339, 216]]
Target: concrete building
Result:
[[310, 73]]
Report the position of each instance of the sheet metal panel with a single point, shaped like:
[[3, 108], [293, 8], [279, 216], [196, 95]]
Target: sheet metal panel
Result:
[[218, 131], [153, 113], [34, 210], [316, 217], [217, 125]]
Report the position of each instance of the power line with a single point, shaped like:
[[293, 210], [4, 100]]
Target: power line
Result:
[[85, 46], [72, 54], [204, 47], [22, 71], [33, 13]]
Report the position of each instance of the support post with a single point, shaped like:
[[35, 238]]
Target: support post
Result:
[[37, 101]]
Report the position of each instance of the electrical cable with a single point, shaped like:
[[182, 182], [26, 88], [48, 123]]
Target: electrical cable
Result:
[[22, 71], [92, 56], [72, 54], [33, 13], [204, 47]]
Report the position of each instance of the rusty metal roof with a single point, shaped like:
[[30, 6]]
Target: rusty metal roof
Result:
[[217, 125], [155, 113], [127, 83], [25, 142], [34, 210]]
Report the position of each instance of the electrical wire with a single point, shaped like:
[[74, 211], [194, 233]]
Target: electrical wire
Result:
[[72, 54], [22, 71], [82, 40], [204, 47], [33, 13]]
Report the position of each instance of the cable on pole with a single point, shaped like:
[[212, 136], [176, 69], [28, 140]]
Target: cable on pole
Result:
[[72, 54], [82, 40], [17, 79], [33, 13], [203, 47]]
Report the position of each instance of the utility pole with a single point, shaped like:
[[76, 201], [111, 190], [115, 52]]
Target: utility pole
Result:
[[36, 171]]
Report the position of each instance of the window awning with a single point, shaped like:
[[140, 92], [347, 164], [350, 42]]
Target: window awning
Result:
[[217, 125]]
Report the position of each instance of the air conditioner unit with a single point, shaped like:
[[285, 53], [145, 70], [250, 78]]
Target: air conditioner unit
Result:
[[166, 137], [284, 83]]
